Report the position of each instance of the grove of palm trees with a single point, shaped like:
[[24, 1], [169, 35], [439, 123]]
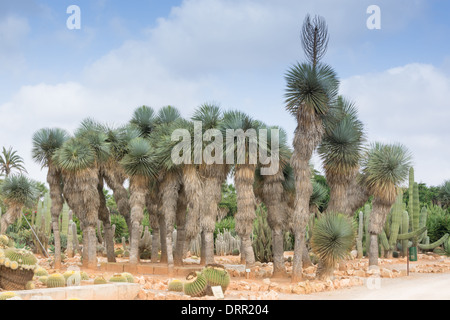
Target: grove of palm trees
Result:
[[118, 206]]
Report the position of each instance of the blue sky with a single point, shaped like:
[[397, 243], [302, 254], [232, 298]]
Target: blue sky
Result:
[[234, 52]]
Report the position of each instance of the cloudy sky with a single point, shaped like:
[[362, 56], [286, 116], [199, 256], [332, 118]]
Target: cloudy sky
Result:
[[233, 52]]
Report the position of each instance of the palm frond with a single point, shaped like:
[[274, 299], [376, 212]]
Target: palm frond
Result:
[[144, 119], [19, 190], [75, 155], [45, 142], [140, 159]]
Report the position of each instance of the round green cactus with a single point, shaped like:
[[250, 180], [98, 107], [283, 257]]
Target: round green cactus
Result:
[[40, 272], [100, 280], [30, 285], [7, 295], [84, 276], [196, 285], [5, 242], [129, 277], [19, 258], [56, 280], [43, 280], [216, 275], [176, 286], [118, 278]]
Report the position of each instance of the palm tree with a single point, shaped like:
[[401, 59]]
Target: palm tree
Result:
[[139, 165], [45, 143], [213, 174], [270, 190], [18, 191], [245, 163], [341, 152], [311, 89], [77, 160], [10, 160], [384, 168]]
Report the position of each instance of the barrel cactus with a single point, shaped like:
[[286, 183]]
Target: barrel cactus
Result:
[[176, 286], [129, 277], [196, 285], [43, 280], [216, 275], [16, 268], [56, 280], [30, 285], [118, 278], [7, 295], [24, 259], [100, 280], [40, 272]]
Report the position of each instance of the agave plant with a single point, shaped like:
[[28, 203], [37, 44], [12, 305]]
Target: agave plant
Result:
[[311, 88], [45, 143], [332, 240], [18, 192], [384, 168]]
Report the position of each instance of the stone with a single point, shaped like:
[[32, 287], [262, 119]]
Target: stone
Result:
[[386, 273]]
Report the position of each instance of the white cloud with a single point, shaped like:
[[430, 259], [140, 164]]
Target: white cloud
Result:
[[230, 51], [409, 105]]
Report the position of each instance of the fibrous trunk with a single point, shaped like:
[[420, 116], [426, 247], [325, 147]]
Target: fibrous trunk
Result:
[[246, 206], [138, 190], [104, 216], [308, 135]]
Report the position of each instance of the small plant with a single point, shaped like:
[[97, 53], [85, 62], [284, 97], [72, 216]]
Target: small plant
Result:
[[332, 241], [196, 285], [56, 280], [216, 275], [40, 272], [118, 278], [100, 280], [7, 295], [176, 286], [129, 277]]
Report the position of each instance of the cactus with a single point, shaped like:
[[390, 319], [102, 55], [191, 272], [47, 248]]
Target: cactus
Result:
[[367, 212], [129, 277], [7, 295], [176, 286], [43, 280], [216, 275], [100, 280], [145, 243], [196, 285], [56, 280], [40, 272], [262, 244], [118, 278], [436, 244], [65, 220], [195, 247], [20, 258], [359, 238], [5, 242], [30, 285]]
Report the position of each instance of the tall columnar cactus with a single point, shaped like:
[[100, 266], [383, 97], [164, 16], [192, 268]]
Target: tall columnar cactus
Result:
[[416, 212], [70, 243], [367, 212], [195, 246], [359, 238], [411, 196], [405, 229], [65, 220], [436, 244], [262, 244], [396, 220]]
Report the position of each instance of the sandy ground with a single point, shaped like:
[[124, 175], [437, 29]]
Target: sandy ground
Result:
[[415, 287]]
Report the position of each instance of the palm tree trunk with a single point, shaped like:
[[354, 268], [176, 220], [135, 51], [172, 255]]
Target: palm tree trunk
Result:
[[380, 211], [104, 216], [203, 249], [246, 206], [181, 228], [279, 268], [54, 181], [338, 198], [152, 209], [11, 215], [169, 196], [138, 190], [308, 135]]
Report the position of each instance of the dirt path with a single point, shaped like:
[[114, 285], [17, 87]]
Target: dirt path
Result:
[[414, 287]]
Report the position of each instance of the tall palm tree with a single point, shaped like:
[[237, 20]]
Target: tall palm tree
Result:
[[341, 152], [245, 163], [213, 174], [139, 165], [9, 161], [45, 143], [384, 168], [77, 160], [311, 89], [270, 190], [18, 192]]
